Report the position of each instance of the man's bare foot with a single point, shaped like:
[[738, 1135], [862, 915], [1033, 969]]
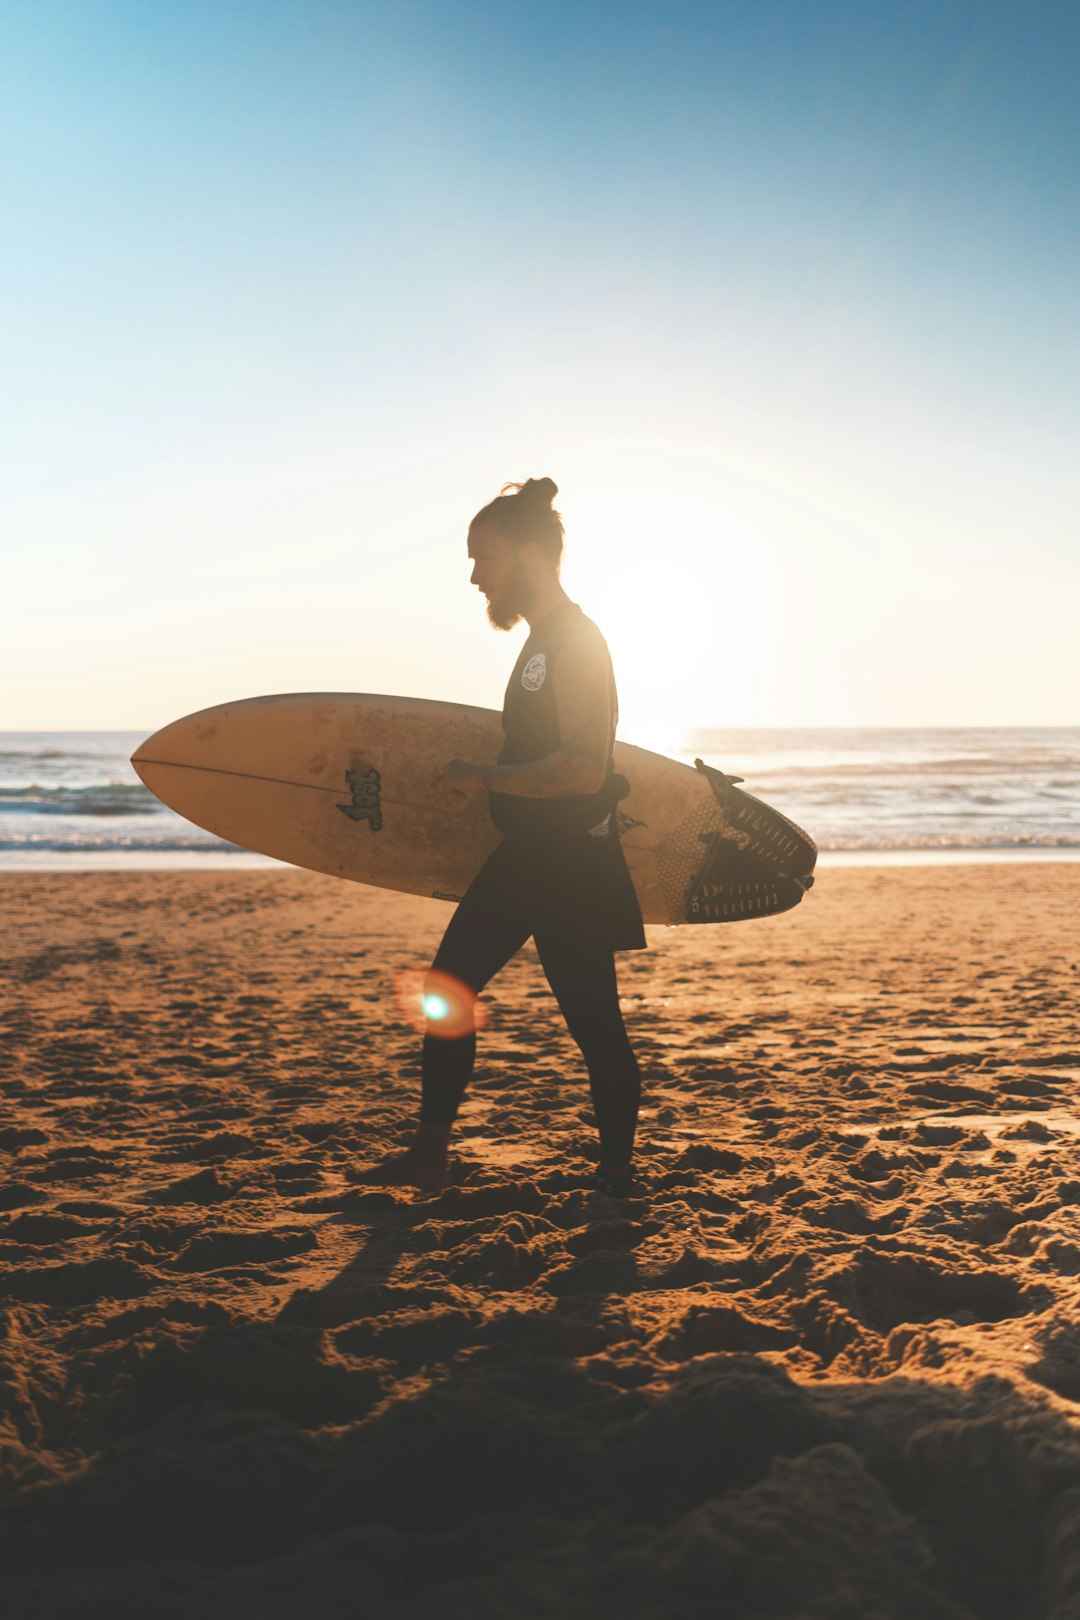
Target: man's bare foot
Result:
[[422, 1165], [404, 1170], [618, 1181]]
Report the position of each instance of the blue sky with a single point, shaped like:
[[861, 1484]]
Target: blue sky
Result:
[[783, 295]]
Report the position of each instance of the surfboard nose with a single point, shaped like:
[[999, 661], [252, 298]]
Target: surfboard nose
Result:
[[144, 755], [145, 752], [191, 736], [187, 741], [164, 747]]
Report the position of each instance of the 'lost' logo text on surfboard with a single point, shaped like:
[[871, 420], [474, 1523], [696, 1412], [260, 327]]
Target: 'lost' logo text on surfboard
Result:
[[366, 802]]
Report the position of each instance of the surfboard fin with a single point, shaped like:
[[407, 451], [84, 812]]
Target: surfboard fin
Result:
[[719, 781]]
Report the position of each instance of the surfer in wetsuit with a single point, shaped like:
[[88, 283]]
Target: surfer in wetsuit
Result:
[[559, 874]]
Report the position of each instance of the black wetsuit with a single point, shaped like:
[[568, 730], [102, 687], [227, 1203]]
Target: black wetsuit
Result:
[[559, 875]]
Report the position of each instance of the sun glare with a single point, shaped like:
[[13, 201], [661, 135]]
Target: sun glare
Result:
[[689, 604], [435, 1003]]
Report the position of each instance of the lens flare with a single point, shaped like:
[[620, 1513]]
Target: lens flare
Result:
[[435, 1003]]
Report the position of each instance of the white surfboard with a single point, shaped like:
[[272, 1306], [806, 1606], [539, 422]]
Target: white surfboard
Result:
[[338, 782]]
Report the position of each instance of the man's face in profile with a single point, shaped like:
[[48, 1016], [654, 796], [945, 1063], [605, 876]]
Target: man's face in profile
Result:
[[498, 573]]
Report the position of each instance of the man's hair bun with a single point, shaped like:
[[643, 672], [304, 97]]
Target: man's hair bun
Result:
[[523, 513], [543, 490]]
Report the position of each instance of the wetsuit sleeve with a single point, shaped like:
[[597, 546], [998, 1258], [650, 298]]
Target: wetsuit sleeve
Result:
[[584, 704]]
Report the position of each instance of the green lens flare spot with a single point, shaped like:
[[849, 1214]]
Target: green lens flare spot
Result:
[[435, 1007]]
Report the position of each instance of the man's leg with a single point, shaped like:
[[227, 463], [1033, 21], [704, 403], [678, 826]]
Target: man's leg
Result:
[[481, 937], [582, 977]]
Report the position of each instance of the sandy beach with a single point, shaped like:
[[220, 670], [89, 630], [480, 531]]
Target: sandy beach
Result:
[[830, 1367]]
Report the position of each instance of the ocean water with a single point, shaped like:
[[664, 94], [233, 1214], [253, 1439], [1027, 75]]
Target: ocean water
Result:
[[70, 800]]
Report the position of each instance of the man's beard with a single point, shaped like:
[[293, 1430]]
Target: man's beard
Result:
[[511, 607]]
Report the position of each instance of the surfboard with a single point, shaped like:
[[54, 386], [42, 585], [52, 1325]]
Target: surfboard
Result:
[[339, 783]]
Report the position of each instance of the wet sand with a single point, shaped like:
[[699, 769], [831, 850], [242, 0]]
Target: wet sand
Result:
[[830, 1367]]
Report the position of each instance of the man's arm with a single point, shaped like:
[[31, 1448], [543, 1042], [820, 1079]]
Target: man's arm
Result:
[[579, 765]]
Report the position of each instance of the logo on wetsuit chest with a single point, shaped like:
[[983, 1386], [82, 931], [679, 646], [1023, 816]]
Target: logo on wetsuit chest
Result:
[[534, 673]]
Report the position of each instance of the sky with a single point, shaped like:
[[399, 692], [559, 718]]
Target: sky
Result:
[[782, 294]]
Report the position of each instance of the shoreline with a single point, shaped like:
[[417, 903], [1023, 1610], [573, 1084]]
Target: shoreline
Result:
[[249, 861]]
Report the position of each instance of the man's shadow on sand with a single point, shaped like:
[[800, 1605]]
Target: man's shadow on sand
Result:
[[479, 1253]]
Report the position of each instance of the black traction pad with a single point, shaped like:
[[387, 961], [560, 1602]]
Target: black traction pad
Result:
[[748, 861]]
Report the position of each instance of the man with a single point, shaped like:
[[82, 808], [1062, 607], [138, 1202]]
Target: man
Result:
[[559, 873]]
